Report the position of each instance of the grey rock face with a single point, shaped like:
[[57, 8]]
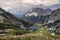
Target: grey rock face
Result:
[[53, 22], [37, 14]]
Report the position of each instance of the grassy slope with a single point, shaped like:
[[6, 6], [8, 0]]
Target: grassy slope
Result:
[[35, 36], [41, 34]]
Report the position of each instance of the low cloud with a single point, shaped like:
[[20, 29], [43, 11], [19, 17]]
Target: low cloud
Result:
[[24, 5], [43, 2]]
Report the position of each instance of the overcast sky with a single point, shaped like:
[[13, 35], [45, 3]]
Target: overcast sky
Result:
[[21, 6]]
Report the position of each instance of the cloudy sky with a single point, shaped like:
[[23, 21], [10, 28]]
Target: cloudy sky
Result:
[[21, 6]]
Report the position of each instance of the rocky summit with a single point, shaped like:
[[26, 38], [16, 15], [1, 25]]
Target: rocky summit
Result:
[[37, 14]]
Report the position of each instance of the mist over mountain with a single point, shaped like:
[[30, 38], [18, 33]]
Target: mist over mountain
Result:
[[37, 14], [42, 7]]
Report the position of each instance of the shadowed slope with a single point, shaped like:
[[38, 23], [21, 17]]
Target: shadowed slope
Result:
[[12, 18]]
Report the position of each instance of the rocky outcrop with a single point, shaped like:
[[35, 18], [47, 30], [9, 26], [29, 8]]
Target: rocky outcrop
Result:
[[52, 23]]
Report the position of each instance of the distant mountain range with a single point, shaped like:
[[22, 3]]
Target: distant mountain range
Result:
[[37, 14], [18, 11]]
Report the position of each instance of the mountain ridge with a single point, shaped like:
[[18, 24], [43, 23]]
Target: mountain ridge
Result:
[[8, 16], [37, 14]]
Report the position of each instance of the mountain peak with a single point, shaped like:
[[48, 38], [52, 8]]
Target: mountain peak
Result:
[[38, 11]]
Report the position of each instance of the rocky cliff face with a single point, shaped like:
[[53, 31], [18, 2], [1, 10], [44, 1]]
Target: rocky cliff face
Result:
[[38, 11], [53, 22], [11, 18], [37, 14]]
